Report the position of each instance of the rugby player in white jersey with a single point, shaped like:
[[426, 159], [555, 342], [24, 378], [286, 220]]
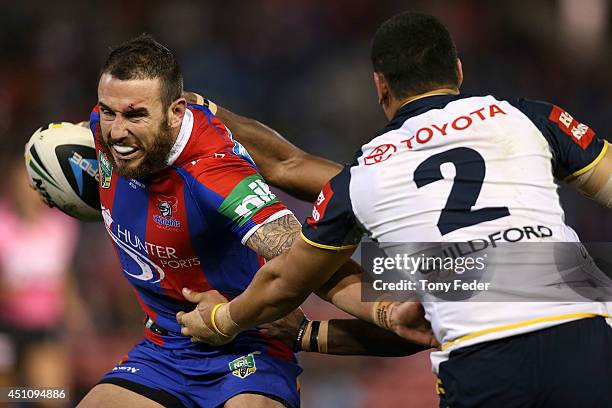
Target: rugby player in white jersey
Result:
[[506, 155]]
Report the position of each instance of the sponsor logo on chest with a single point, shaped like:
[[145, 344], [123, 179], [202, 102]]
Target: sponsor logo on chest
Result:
[[143, 260]]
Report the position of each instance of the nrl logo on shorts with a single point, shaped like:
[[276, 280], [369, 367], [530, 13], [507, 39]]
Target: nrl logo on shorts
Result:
[[244, 366], [106, 171]]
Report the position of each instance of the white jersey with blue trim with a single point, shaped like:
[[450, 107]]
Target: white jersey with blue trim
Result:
[[455, 168], [474, 153], [472, 168]]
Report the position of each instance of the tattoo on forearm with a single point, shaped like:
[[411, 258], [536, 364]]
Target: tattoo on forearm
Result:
[[275, 237]]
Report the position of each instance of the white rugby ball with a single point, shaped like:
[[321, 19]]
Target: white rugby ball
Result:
[[62, 166]]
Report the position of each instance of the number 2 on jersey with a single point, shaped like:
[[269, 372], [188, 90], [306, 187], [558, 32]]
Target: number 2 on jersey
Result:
[[469, 175]]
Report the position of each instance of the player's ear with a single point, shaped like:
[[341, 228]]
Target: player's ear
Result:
[[385, 97], [176, 111], [382, 89], [459, 73]]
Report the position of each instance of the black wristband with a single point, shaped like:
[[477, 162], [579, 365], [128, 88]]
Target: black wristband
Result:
[[314, 336], [300, 336]]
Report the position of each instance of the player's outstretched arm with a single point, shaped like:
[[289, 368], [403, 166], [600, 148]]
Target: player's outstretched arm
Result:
[[356, 337], [278, 288], [405, 319], [281, 163], [343, 290], [281, 286], [596, 183], [339, 337]]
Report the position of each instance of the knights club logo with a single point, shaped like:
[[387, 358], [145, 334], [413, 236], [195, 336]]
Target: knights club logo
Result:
[[167, 206]]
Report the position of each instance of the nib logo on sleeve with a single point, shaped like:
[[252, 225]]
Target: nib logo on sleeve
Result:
[[251, 194]]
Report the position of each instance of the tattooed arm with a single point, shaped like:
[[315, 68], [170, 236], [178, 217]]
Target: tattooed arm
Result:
[[275, 237], [344, 285]]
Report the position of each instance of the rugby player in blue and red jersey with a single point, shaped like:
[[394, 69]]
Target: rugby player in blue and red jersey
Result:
[[185, 207]]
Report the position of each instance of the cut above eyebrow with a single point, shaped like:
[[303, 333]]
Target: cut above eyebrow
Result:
[[137, 111], [130, 112]]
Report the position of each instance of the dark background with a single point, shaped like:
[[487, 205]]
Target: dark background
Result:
[[303, 68]]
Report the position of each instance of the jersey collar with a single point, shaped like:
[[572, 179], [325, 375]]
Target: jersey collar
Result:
[[444, 91], [419, 106], [182, 138]]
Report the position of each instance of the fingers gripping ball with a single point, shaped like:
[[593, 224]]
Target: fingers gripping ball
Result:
[[62, 166]]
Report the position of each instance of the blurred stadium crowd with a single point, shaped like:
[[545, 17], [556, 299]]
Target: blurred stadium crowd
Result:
[[301, 67]]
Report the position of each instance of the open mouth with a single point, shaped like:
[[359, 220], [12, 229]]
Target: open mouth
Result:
[[124, 152]]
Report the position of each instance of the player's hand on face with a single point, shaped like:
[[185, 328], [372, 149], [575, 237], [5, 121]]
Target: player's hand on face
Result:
[[284, 329], [196, 323], [408, 321]]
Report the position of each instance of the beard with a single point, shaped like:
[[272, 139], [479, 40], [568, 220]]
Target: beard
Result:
[[154, 160]]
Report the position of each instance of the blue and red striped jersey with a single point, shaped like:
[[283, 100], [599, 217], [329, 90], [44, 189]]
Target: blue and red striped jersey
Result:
[[186, 226]]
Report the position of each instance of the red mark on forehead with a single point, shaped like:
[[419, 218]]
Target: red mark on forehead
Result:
[[132, 106]]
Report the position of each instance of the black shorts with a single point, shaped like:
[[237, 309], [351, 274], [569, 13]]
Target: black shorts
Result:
[[569, 365]]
